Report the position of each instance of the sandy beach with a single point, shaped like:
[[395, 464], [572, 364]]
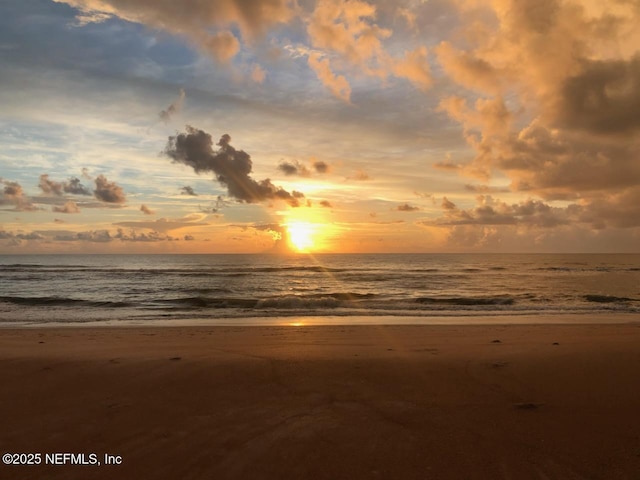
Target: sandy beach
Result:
[[323, 402]]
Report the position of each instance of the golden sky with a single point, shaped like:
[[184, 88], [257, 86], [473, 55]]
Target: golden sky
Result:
[[321, 125]]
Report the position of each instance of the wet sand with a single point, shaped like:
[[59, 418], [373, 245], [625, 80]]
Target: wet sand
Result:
[[326, 402]]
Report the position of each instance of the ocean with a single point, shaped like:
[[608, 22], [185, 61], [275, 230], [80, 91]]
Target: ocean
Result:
[[230, 289]]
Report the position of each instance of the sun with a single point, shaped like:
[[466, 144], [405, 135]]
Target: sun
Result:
[[300, 236]]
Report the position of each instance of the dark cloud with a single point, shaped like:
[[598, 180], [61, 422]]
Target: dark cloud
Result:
[[231, 167], [146, 210], [447, 204], [297, 168], [294, 168], [604, 97], [74, 187], [174, 108], [107, 191], [51, 187], [557, 165], [321, 167], [188, 191], [407, 208], [216, 206], [492, 212], [618, 210]]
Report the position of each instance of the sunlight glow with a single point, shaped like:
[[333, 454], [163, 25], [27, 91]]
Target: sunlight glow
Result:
[[301, 236]]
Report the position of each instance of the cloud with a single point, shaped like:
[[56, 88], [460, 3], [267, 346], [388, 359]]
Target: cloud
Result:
[[258, 74], [51, 187], [485, 189], [603, 98], [294, 168], [215, 207], [346, 33], [89, 236], [146, 210], [187, 190], [107, 191], [68, 207], [448, 204], [93, 236], [222, 46], [337, 84], [105, 236], [415, 68], [206, 25], [468, 69], [342, 37], [405, 207], [278, 233], [563, 124], [74, 187], [408, 16], [166, 224], [360, 175], [321, 167], [174, 108], [17, 239], [133, 236], [13, 194], [297, 168], [347, 28], [492, 212], [231, 167]]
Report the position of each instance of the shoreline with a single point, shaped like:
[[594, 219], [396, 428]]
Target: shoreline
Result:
[[590, 318], [357, 402]]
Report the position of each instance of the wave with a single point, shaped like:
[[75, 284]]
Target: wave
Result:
[[295, 302], [63, 301], [608, 299], [329, 300], [466, 301], [206, 302], [196, 270]]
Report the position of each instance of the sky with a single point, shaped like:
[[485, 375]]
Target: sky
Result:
[[321, 126]]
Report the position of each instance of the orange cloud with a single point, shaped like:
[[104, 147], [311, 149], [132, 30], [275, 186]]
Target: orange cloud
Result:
[[205, 24], [337, 84]]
